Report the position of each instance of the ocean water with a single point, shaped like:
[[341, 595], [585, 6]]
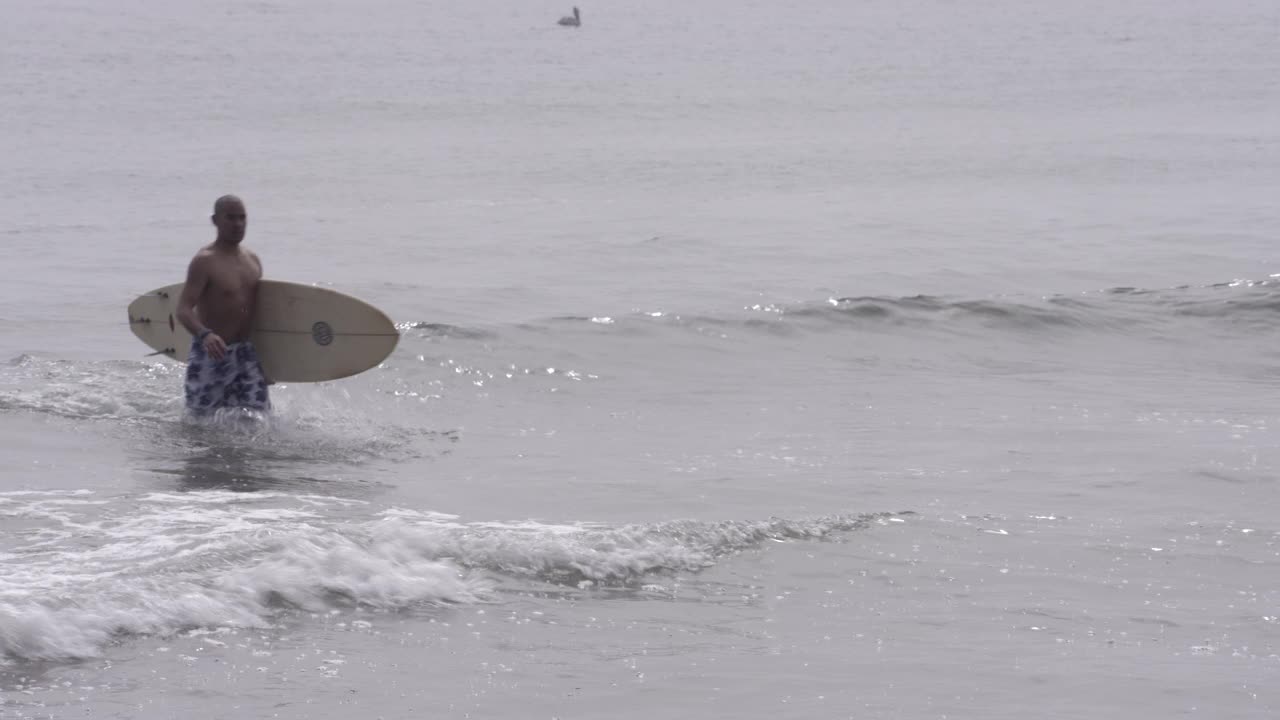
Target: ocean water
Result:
[[909, 359]]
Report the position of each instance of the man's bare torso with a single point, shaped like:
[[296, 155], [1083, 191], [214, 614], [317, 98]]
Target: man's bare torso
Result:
[[226, 303]]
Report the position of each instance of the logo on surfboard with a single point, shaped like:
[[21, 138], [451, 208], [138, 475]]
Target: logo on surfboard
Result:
[[322, 333]]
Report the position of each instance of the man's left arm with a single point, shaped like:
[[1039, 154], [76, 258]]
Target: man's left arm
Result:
[[253, 306], [253, 310]]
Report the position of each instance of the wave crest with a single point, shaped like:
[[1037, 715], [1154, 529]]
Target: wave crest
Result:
[[95, 571]]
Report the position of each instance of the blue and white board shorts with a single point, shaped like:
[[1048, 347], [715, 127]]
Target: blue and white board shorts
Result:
[[235, 381]]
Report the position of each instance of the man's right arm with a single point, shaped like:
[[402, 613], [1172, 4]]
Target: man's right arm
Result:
[[197, 282], [197, 279]]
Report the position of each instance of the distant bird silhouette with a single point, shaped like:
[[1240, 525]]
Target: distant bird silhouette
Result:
[[574, 21]]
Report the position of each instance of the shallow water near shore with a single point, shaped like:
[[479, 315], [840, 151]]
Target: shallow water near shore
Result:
[[874, 360]]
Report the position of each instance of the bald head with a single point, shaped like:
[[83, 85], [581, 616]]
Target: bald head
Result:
[[230, 218], [226, 201]]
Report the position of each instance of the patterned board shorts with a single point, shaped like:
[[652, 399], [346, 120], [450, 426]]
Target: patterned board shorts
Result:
[[235, 381]]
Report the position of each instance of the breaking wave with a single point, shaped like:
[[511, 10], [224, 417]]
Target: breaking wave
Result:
[[84, 571]]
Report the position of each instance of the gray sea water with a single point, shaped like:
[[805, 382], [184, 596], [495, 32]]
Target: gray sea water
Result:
[[829, 359]]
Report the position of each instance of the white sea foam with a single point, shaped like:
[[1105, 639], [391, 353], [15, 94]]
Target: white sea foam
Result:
[[157, 564]]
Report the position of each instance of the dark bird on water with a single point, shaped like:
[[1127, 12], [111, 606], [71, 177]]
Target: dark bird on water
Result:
[[572, 21]]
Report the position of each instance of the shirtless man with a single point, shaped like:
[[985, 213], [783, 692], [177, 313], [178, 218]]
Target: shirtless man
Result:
[[216, 306]]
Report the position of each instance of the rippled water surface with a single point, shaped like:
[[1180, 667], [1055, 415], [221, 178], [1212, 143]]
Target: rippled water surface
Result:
[[869, 360]]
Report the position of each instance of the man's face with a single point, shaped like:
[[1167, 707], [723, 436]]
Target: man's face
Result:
[[231, 221]]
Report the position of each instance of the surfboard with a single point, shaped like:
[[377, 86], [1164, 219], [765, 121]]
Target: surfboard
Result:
[[302, 333]]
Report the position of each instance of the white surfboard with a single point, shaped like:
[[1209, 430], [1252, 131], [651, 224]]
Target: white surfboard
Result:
[[302, 333]]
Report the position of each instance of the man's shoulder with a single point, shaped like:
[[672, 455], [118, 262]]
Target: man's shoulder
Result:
[[202, 259], [254, 257], [203, 255]]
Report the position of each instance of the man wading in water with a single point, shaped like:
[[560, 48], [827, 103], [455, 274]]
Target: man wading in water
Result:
[[217, 306]]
